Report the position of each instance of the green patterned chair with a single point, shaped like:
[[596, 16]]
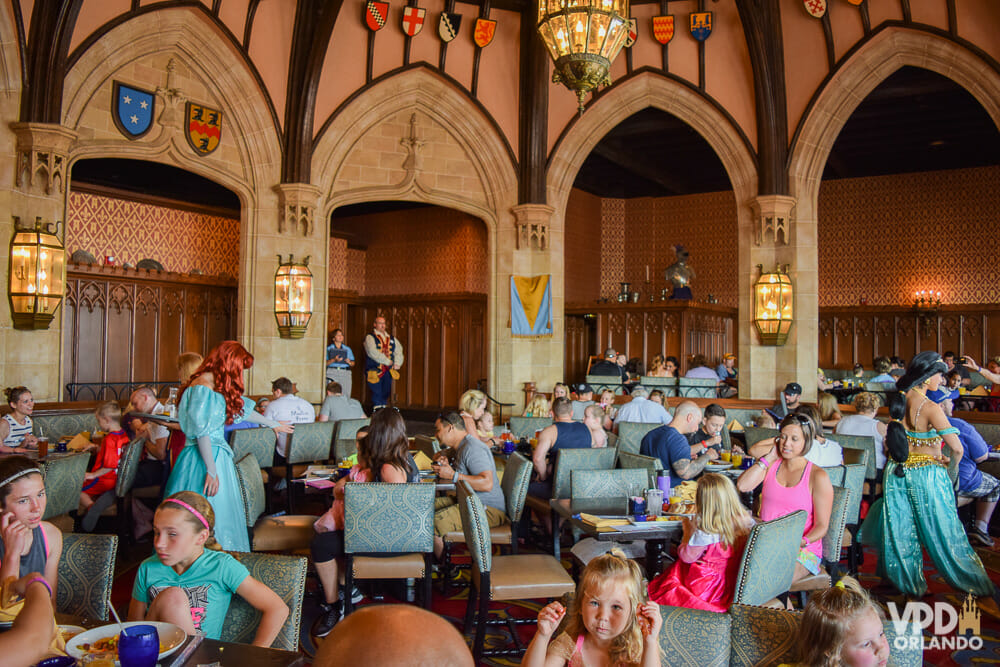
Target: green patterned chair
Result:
[[854, 481], [388, 534], [602, 382], [345, 439], [525, 427], [309, 443], [55, 426], [768, 563], [615, 484], [860, 442], [697, 387], [630, 435], [628, 460], [269, 533], [694, 637], [286, 576], [426, 444], [515, 490], [63, 481], [568, 460], [832, 543], [667, 385], [86, 571], [257, 441], [514, 577], [762, 636], [753, 434]]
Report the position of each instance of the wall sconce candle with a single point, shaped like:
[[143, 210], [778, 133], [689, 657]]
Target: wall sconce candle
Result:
[[36, 282], [293, 303], [773, 305]]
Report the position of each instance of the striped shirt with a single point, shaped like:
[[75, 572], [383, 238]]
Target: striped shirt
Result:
[[17, 431]]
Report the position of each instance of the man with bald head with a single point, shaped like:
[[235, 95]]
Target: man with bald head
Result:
[[670, 445], [152, 468], [393, 635]]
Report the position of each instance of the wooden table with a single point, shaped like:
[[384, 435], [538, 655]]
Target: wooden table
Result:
[[225, 653]]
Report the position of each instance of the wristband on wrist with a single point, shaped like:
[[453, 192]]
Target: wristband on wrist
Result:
[[762, 462], [41, 581], [807, 540]]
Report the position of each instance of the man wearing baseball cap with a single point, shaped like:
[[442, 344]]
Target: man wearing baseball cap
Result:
[[585, 397], [788, 401]]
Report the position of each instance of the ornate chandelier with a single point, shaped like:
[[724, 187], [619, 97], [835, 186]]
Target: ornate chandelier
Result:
[[583, 38]]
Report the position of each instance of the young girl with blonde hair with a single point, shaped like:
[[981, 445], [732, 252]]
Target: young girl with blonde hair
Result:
[[709, 555], [538, 406], [189, 581], [610, 621], [841, 626]]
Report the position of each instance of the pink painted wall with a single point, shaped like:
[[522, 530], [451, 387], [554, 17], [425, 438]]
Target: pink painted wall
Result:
[[270, 47], [233, 13], [92, 16]]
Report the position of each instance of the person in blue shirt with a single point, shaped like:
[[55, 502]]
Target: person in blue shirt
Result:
[[339, 362], [882, 367], [670, 445]]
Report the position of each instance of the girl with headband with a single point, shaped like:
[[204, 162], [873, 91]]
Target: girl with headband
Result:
[[190, 580], [28, 544]]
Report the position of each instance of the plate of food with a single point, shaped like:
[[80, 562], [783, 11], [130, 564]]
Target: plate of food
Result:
[[104, 640], [718, 467], [70, 631]]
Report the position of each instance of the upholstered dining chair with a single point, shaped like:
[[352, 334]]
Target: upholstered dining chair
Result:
[[345, 439], [259, 442], [63, 481], [388, 534], [307, 444], [667, 385], [854, 481], [612, 484], [630, 435], [753, 434], [832, 543], [269, 533], [768, 564], [864, 443], [513, 577], [525, 427], [515, 489], [286, 576], [697, 387], [651, 464], [86, 570]]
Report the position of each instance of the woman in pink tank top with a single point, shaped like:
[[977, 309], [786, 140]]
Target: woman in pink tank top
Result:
[[792, 483]]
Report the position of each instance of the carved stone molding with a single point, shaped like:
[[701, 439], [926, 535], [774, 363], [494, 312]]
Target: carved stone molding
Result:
[[773, 214], [298, 203], [532, 223], [42, 150]]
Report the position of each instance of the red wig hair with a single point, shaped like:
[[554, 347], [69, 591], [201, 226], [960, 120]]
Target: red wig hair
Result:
[[226, 362]]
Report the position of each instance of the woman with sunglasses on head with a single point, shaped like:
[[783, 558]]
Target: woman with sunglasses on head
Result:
[[791, 483], [917, 508]]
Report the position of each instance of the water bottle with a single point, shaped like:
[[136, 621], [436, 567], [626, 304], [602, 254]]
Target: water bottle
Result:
[[663, 483], [171, 406]]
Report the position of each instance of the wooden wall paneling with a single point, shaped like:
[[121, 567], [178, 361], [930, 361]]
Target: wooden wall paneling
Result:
[[90, 355], [992, 337], [973, 339], [195, 320], [70, 337], [884, 336], [120, 330], [864, 339], [635, 336], [478, 350], [906, 336], [949, 332], [146, 364], [576, 353], [843, 332], [435, 355], [671, 334], [455, 373], [171, 325]]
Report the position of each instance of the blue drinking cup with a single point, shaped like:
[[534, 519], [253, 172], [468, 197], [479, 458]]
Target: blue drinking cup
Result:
[[138, 646]]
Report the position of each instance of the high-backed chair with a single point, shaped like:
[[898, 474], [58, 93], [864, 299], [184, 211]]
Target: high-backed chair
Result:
[[269, 533], [650, 463], [56, 426], [515, 490], [426, 444], [309, 443], [865, 443], [667, 385], [525, 427], [768, 564], [697, 387], [345, 439], [630, 435], [602, 382], [63, 481], [611, 484], [514, 577], [753, 434], [86, 570], [286, 576], [388, 534], [568, 460], [259, 442], [832, 543]]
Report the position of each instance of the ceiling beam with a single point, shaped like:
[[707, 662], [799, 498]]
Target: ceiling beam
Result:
[[641, 164]]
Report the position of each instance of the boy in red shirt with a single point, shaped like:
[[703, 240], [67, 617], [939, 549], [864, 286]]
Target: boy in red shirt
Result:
[[103, 476]]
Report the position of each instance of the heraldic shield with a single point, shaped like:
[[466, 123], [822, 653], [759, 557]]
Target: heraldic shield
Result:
[[376, 14], [663, 28], [817, 8], [632, 33], [413, 20], [448, 25], [483, 34], [204, 128], [132, 110], [701, 25]]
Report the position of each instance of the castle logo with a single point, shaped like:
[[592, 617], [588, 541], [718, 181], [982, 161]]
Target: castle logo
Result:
[[950, 630]]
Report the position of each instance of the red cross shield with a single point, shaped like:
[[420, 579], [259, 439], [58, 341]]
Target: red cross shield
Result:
[[413, 20], [663, 28], [375, 14], [816, 7]]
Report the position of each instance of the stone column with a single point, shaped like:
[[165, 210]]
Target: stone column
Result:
[[38, 190], [772, 236], [291, 228], [532, 245]]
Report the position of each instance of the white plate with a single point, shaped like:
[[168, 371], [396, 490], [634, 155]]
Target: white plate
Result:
[[170, 635], [718, 467], [73, 630]]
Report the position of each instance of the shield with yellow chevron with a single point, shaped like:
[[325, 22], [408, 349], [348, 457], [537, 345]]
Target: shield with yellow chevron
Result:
[[204, 128], [663, 28]]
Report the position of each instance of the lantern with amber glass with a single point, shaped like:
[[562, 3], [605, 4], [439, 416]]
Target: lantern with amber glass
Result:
[[292, 297], [772, 305], [36, 284], [583, 38]]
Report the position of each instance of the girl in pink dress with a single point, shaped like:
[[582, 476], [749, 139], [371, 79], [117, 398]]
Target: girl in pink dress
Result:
[[709, 555]]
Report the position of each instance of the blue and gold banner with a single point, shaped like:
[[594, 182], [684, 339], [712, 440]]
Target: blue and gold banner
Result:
[[530, 306]]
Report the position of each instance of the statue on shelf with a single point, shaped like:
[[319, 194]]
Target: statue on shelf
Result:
[[680, 274]]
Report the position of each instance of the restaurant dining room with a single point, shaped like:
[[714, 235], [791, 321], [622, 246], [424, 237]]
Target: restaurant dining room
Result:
[[499, 332]]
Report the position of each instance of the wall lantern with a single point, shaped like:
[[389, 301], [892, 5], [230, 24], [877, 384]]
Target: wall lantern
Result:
[[583, 38], [37, 283], [293, 297], [772, 305]]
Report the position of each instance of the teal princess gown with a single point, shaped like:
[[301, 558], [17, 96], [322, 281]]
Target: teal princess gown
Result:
[[202, 412], [919, 510]]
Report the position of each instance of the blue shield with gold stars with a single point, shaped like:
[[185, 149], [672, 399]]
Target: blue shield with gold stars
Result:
[[132, 110]]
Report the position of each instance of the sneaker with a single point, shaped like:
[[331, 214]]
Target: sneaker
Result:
[[328, 617], [356, 595], [980, 536]]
